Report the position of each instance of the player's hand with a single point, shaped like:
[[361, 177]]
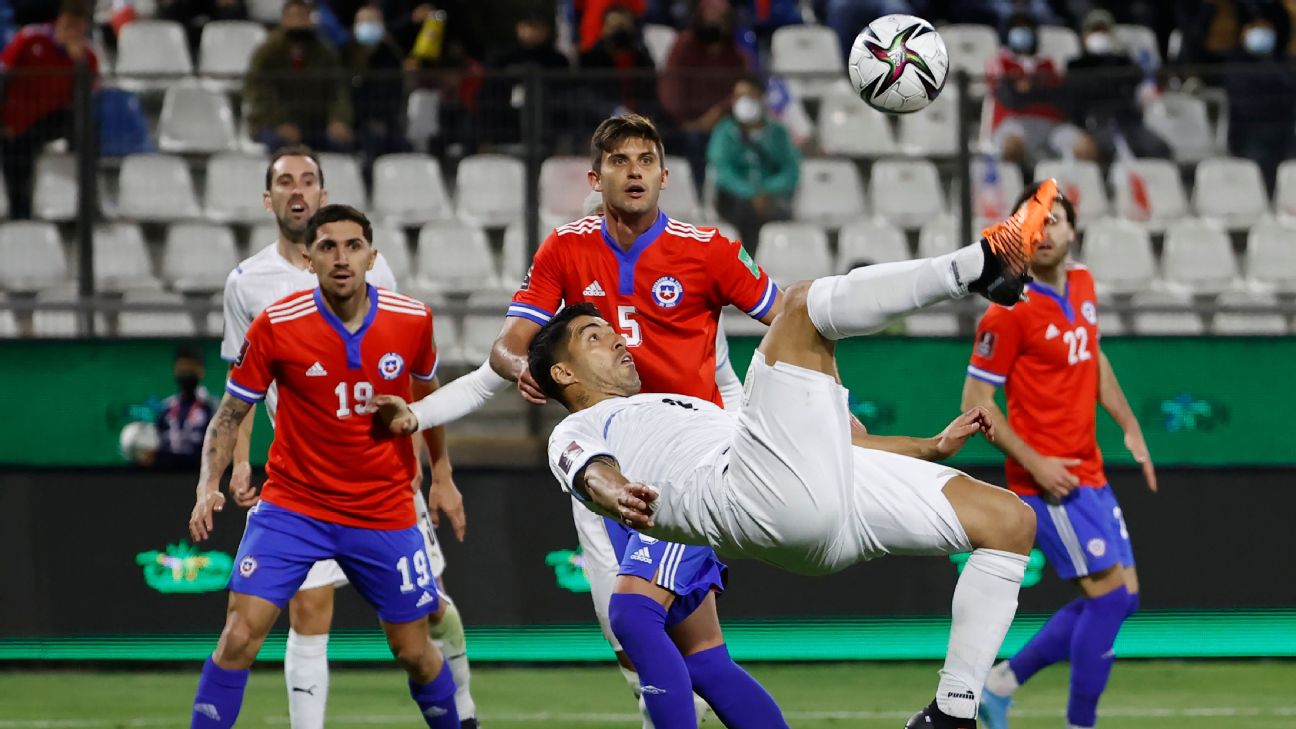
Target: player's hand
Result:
[[444, 498], [955, 435], [241, 485], [1052, 476], [1138, 448], [635, 505], [529, 389], [395, 414], [200, 521]]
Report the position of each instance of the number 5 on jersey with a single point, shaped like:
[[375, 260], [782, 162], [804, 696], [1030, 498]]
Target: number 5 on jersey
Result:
[[629, 327]]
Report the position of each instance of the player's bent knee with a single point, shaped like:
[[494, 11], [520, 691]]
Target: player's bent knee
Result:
[[239, 643]]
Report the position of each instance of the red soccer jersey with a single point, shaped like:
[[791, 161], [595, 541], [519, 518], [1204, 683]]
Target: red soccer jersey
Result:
[[326, 461], [1044, 351], [43, 78], [664, 294]]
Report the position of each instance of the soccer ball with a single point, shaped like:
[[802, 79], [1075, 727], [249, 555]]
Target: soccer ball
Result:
[[138, 440], [898, 64]]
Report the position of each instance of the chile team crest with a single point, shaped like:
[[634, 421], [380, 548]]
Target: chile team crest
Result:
[[391, 365], [667, 292]]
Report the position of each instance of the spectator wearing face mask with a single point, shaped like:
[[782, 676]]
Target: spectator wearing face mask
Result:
[[633, 88], [183, 420], [756, 165], [377, 87], [1028, 121], [1262, 99], [593, 17]]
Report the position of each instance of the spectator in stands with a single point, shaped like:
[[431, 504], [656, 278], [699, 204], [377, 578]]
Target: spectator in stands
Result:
[[295, 88], [38, 101], [756, 165], [1106, 86], [194, 14], [1025, 94], [621, 48], [848, 17], [1209, 28], [1262, 100], [182, 423], [593, 17], [999, 13], [377, 86], [697, 83], [506, 96]]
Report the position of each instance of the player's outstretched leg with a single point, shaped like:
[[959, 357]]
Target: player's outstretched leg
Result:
[[430, 682], [225, 673], [639, 623], [306, 669]]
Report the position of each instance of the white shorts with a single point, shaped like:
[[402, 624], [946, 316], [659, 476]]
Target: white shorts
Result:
[[602, 563]]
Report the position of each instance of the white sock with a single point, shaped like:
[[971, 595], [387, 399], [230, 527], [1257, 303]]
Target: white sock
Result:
[[448, 633], [985, 600], [700, 706], [307, 673], [1002, 680], [866, 299]]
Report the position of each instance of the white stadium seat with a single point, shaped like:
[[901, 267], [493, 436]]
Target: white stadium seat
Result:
[[342, 180], [490, 189], [1198, 256], [409, 189], [934, 130], [1138, 40], [799, 51], [1110, 323], [1229, 322], [121, 260], [514, 261], [455, 257], [195, 119], [198, 256], [995, 187], [1119, 254], [8, 322], [215, 320], [1158, 201], [1285, 192], [939, 236], [156, 187], [1181, 120], [262, 235], [970, 46], [791, 252], [265, 11], [151, 54], [234, 184], [1185, 323], [392, 243], [563, 187], [906, 192], [482, 328], [174, 323], [1230, 190], [660, 39], [48, 322], [931, 324], [1271, 255], [848, 127], [225, 50], [1060, 44], [679, 199], [1082, 183], [33, 256], [830, 193], [865, 242], [54, 193]]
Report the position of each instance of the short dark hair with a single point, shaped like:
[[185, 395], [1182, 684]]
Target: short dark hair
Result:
[[337, 214], [1066, 204], [550, 344], [293, 150], [616, 129], [188, 353], [79, 9]]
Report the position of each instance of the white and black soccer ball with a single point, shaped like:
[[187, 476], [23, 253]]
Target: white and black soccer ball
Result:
[[898, 64], [138, 440]]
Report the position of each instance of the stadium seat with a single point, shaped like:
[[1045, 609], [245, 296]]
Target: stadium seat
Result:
[[1284, 194], [409, 189], [1271, 255], [49, 322], [1119, 254], [791, 252], [392, 243], [226, 49], [195, 119], [1140, 42], [1230, 190], [1082, 183], [422, 118], [1059, 44], [343, 181], [490, 189], [198, 256], [234, 183], [1198, 256], [33, 256], [1181, 120], [679, 199], [865, 242], [455, 258], [4, 199], [174, 323], [906, 192], [995, 187], [214, 322], [799, 52], [1230, 322], [156, 188], [934, 130], [262, 235], [514, 262], [830, 193], [1110, 323], [1149, 191], [970, 46], [848, 127], [939, 236], [8, 322], [660, 39], [265, 11], [563, 187], [121, 260], [932, 324], [482, 327], [54, 194], [1185, 323], [151, 54]]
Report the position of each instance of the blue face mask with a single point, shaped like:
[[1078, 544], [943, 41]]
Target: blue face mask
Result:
[[368, 33], [1259, 41], [1021, 40]]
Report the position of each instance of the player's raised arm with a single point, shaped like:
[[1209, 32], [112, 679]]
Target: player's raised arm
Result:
[[508, 357], [218, 449], [536, 301], [1117, 406], [602, 483]]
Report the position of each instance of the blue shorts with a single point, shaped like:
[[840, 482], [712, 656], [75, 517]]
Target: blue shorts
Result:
[[688, 571], [389, 568], [1084, 534]]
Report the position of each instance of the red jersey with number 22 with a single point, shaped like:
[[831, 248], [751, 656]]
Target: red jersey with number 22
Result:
[[1044, 351], [326, 460], [664, 294]]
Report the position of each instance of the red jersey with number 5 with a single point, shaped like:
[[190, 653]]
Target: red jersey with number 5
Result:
[[1044, 352], [327, 461], [664, 294]]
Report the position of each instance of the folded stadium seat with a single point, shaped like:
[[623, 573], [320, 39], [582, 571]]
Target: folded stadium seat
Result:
[[198, 256], [1271, 255], [152, 54], [215, 319], [1082, 183], [422, 118], [121, 260], [660, 39], [1181, 120], [156, 188], [1149, 191], [1231, 191], [234, 182], [931, 323], [54, 192], [848, 127], [791, 252], [195, 119], [454, 257], [1110, 323], [174, 323], [265, 11], [58, 322], [563, 188], [393, 244], [970, 46], [934, 130], [1185, 323], [481, 325], [939, 236], [262, 235], [906, 192], [408, 189], [490, 189], [1230, 322], [1119, 255], [344, 182], [809, 56], [1060, 44], [1141, 43], [514, 261], [996, 185], [1199, 257], [33, 255], [865, 242], [830, 193], [8, 322], [226, 49], [736, 323], [679, 199], [1284, 194]]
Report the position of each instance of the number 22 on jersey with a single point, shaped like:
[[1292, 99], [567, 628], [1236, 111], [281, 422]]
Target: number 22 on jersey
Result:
[[1077, 341]]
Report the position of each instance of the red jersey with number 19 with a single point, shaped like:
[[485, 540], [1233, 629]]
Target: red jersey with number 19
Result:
[[664, 294], [326, 461]]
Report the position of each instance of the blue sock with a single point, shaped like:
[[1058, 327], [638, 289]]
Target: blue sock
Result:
[[1051, 644], [219, 697], [1091, 653], [639, 622], [738, 700], [436, 700]]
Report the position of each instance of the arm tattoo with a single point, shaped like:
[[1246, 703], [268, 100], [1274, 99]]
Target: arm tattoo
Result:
[[218, 444]]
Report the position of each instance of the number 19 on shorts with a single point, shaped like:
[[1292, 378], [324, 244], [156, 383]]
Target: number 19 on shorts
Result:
[[422, 573]]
